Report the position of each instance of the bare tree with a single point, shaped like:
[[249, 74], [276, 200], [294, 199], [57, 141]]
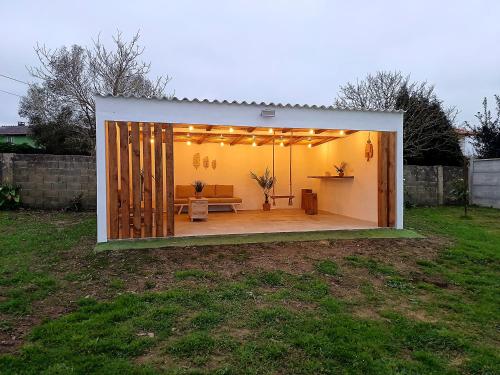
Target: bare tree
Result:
[[69, 78], [428, 132]]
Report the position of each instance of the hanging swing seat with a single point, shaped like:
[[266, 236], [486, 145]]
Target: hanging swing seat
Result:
[[289, 197]]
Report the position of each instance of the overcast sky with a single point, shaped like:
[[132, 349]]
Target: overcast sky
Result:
[[286, 51]]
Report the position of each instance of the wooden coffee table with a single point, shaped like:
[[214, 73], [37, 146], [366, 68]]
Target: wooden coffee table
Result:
[[198, 209]]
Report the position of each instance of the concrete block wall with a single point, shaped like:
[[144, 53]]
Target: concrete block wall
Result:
[[430, 185], [484, 180], [51, 181]]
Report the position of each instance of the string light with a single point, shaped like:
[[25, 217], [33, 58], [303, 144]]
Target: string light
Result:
[[222, 144], [188, 143], [231, 130], [191, 128], [254, 144], [342, 132], [309, 145], [311, 131], [270, 130], [281, 142]]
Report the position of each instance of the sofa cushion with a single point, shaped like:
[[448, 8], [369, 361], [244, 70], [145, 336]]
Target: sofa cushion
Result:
[[184, 191], [224, 191], [180, 201], [209, 191]]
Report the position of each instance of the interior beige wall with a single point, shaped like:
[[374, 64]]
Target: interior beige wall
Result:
[[355, 198], [234, 164]]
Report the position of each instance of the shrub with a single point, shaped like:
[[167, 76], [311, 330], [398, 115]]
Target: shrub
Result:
[[10, 198]]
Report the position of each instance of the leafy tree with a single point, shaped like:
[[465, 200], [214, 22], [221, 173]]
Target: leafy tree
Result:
[[60, 135], [69, 78], [486, 135], [429, 137]]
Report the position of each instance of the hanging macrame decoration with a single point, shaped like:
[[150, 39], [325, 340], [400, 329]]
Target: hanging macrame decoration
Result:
[[368, 149], [196, 160], [214, 164], [206, 162]]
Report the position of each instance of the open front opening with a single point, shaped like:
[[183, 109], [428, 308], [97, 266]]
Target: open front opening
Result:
[[302, 161], [325, 179]]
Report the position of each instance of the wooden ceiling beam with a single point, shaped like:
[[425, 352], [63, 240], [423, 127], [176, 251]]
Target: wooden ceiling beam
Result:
[[237, 140], [266, 140], [319, 131], [209, 128], [251, 129], [294, 140], [324, 141]]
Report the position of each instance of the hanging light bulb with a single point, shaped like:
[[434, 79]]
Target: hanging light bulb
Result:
[[254, 144], [231, 130], [222, 144], [342, 132], [270, 130], [311, 131], [309, 145], [191, 128], [188, 143], [282, 144]]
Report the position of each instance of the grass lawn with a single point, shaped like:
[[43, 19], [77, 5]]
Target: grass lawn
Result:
[[367, 306]]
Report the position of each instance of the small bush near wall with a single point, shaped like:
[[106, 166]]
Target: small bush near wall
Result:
[[10, 198]]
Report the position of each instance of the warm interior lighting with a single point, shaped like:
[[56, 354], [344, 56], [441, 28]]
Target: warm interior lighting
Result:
[[222, 144], [254, 144], [188, 143], [152, 140], [311, 131], [191, 128], [309, 145], [342, 132], [231, 130], [270, 130], [282, 144]]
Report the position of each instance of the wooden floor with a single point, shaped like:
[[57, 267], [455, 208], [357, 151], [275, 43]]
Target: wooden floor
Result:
[[278, 220]]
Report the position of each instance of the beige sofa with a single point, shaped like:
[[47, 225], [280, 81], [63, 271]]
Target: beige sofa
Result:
[[217, 195]]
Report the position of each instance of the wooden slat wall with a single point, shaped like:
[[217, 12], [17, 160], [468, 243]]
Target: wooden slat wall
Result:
[[158, 177], [125, 184], [169, 157], [386, 179], [112, 167], [135, 178], [148, 183]]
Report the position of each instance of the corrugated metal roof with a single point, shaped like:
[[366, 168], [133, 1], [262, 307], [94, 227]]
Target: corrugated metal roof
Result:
[[253, 103], [14, 130]]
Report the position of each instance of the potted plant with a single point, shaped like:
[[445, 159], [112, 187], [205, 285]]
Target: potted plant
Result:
[[198, 188], [341, 169], [266, 182]]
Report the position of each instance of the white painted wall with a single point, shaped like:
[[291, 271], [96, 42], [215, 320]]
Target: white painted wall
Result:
[[234, 164], [357, 197]]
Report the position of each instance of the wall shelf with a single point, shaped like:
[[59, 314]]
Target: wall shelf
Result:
[[331, 177]]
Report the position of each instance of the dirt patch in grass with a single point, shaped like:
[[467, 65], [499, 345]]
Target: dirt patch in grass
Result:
[[82, 274]]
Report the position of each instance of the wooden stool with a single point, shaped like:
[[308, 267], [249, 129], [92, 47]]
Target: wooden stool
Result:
[[311, 203], [302, 202]]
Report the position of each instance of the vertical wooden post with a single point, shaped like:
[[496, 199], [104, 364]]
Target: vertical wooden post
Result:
[[391, 180], [112, 175], [136, 180], [148, 180], [124, 171], [382, 179], [158, 180], [169, 157], [386, 179]]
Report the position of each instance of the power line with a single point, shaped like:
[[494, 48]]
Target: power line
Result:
[[11, 93], [14, 79]]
